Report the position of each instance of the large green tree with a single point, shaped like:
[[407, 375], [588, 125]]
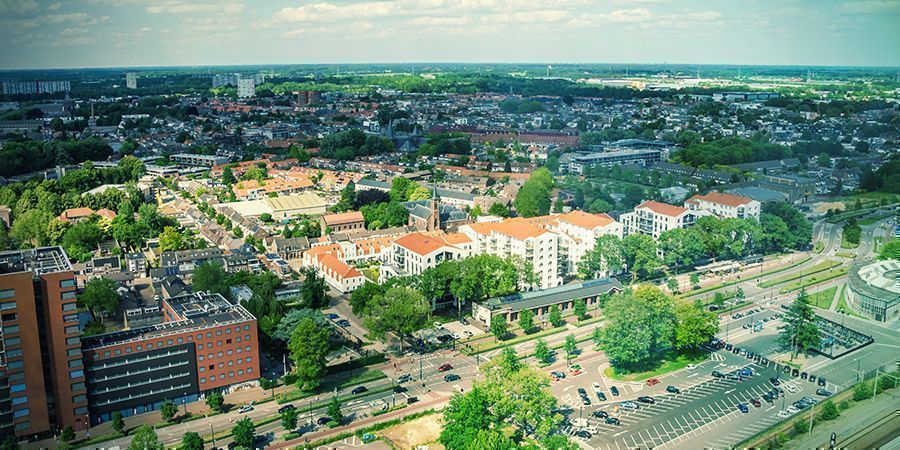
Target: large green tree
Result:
[[694, 325], [533, 198], [638, 326], [402, 311], [191, 441], [100, 297], [308, 347], [639, 253], [210, 277], [243, 432], [799, 332], [145, 439], [605, 258]]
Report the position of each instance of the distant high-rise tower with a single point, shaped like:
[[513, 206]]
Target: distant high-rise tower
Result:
[[131, 80], [246, 87]]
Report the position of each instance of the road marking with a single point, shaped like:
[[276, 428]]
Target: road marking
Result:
[[693, 375], [728, 392]]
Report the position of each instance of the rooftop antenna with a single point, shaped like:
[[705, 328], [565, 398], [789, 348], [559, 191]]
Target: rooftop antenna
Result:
[[548, 69]]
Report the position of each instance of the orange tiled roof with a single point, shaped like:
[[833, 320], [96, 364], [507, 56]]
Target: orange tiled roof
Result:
[[586, 220], [107, 214], [342, 218], [662, 208], [338, 268], [721, 198], [420, 243], [75, 213]]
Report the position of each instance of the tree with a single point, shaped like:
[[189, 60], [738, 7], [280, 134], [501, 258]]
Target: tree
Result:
[[639, 253], [228, 178], [681, 247], [672, 284], [558, 442], [499, 209], [798, 226], [490, 440], [694, 325], [243, 432], [312, 291], [118, 423], [401, 310], [499, 327], [891, 250], [191, 441], [289, 418], [100, 297], [334, 410], [168, 409], [287, 323], [210, 277], [580, 309], [638, 326], [526, 320], [464, 415], [606, 257], [570, 346], [555, 316], [80, 240], [541, 351], [829, 411], [30, 227], [799, 331], [597, 336], [171, 240], [68, 433], [145, 439], [216, 402], [308, 347], [695, 279], [533, 198]]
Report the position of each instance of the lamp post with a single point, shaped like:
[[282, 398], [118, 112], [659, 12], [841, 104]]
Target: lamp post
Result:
[[212, 433]]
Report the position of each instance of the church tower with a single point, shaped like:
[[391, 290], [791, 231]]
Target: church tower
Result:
[[434, 221]]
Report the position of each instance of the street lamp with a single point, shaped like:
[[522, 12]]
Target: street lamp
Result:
[[184, 403], [212, 433]]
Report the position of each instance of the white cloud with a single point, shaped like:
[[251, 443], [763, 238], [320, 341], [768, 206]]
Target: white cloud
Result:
[[178, 7], [54, 6], [18, 6], [327, 12], [440, 21], [872, 6]]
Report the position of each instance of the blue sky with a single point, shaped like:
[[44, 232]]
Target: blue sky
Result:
[[117, 33]]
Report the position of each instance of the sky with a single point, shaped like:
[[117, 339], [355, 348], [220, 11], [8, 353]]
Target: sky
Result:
[[136, 33]]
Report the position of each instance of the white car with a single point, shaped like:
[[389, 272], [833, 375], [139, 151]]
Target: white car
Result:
[[438, 325], [784, 414], [245, 409], [691, 366], [596, 386], [791, 388], [792, 409]]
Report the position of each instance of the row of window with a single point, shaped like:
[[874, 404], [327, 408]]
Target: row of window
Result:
[[179, 340], [230, 363], [222, 377], [220, 354], [227, 342]]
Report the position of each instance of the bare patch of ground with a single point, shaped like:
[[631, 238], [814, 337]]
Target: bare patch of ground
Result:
[[421, 431], [823, 207]]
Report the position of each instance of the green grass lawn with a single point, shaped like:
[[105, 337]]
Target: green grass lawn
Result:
[[847, 244], [845, 254], [824, 265], [814, 279], [823, 299], [371, 273], [875, 218], [819, 247], [668, 365]]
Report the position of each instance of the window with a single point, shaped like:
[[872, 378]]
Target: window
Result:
[[70, 318], [19, 400], [219, 354], [212, 366], [200, 358], [219, 343], [72, 329], [79, 398], [106, 354], [73, 341], [249, 370], [240, 360], [221, 365], [209, 334], [199, 346], [23, 426], [20, 413], [202, 369], [199, 336], [81, 410], [15, 364], [239, 350], [237, 339], [169, 342], [240, 372], [247, 348], [13, 341], [17, 387], [9, 317], [75, 363], [228, 341], [127, 349], [218, 332], [247, 337], [180, 340], [8, 293], [76, 374], [212, 378], [149, 345], [77, 387], [228, 331], [14, 353], [19, 376], [67, 295], [230, 374], [67, 283], [202, 379], [249, 359], [246, 327], [10, 329], [229, 352], [118, 351], [230, 363], [72, 306], [7, 305]]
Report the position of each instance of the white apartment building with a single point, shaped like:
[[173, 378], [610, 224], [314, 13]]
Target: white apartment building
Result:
[[338, 274], [578, 232], [725, 205], [246, 88], [654, 218], [522, 238], [131, 80], [415, 253]]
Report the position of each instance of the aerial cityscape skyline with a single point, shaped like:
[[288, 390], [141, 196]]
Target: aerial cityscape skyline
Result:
[[121, 33]]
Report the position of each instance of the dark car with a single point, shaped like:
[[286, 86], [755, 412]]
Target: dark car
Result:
[[343, 323], [582, 392], [768, 397], [774, 381], [583, 434], [742, 407], [612, 421], [812, 378], [756, 402], [614, 390], [399, 389], [445, 367], [821, 381], [404, 378], [673, 390], [601, 396], [786, 369], [359, 390], [646, 399], [795, 372], [729, 347], [284, 408], [332, 316], [557, 374], [451, 377], [600, 414], [803, 375], [323, 420], [717, 374], [764, 361], [822, 392], [463, 321], [749, 355]]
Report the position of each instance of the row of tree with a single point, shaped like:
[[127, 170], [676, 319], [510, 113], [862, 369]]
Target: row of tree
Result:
[[25, 156], [347, 145]]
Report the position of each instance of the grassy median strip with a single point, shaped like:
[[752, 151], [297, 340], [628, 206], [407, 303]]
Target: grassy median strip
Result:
[[823, 299], [824, 265], [363, 377], [669, 364], [691, 294], [814, 279]]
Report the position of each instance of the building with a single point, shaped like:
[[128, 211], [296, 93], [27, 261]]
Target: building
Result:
[[578, 233], [136, 263], [192, 159], [725, 205], [415, 253], [540, 302], [798, 189], [519, 237], [280, 208], [204, 344], [34, 87], [654, 218], [582, 164], [874, 289], [246, 88], [339, 275], [747, 96], [42, 380], [336, 223], [131, 80], [183, 262]]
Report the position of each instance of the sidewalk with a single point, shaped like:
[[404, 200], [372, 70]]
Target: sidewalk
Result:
[[851, 421]]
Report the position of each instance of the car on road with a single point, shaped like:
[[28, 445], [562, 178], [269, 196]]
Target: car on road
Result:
[[630, 405], [691, 366], [821, 381], [729, 347], [445, 367], [455, 336], [323, 420], [614, 390], [652, 381], [557, 374], [646, 399], [245, 409], [784, 414], [344, 323], [755, 402], [359, 390], [404, 378], [673, 390], [399, 389], [823, 392], [284, 408], [584, 434], [717, 374], [745, 372], [468, 333], [774, 381], [600, 414], [451, 377], [612, 421], [742, 407]]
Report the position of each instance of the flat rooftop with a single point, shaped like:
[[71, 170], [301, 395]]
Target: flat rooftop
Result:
[[197, 311], [40, 261], [552, 296]]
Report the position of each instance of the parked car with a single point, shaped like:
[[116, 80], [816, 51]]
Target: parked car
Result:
[[673, 390], [323, 420], [601, 396], [332, 316], [691, 366], [344, 323], [630, 405], [463, 321], [755, 402], [600, 414], [558, 374], [245, 409], [745, 372], [451, 377], [445, 367], [795, 372], [822, 392], [438, 325], [612, 421], [812, 378], [821, 381], [774, 381], [729, 347], [614, 390], [405, 378], [596, 386], [284, 408], [646, 399], [399, 389], [803, 375], [742, 407], [652, 381], [359, 390], [584, 434]]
